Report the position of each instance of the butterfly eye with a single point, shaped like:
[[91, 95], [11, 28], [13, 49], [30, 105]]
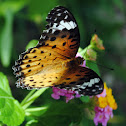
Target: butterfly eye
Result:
[[72, 62], [79, 60]]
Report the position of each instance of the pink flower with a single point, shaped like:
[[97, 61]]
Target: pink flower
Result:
[[69, 94], [58, 92], [103, 94], [78, 55], [99, 117], [55, 96], [98, 109], [108, 112], [102, 115], [106, 104], [77, 94]]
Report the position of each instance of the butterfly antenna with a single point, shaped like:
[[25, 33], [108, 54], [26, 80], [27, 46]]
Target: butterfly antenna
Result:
[[95, 31], [97, 63]]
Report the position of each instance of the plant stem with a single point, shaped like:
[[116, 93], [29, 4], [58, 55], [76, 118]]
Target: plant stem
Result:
[[27, 97], [35, 109], [31, 98]]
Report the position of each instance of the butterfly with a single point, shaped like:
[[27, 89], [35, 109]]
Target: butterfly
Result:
[[52, 61]]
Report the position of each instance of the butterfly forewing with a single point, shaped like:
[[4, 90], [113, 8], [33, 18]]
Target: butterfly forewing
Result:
[[62, 32], [46, 64]]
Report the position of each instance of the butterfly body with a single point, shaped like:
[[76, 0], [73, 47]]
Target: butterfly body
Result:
[[52, 61]]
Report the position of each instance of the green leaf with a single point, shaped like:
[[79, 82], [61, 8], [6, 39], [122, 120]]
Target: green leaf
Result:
[[31, 98], [36, 111], [31, 44], [85, 99], [11, 112], [93, 65], [6, 104], [6, 41], [15, 6], [31, 123], [59, 114], [4, 84]]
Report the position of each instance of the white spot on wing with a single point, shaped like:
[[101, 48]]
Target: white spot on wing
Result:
[[82, 87], [77, 86], [100, 88], [53, 30], [91, 82], [66, 17], [73, 88], [55, 19], [58, 9], [97, 80], [96, 85], [72, 24], [65, 11], [59, 14], [85, 84], [65, 24], [93, 90], [62, 25], [41, 37], [44, 37]]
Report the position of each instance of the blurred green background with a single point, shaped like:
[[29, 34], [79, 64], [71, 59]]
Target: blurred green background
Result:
[[24, 20]]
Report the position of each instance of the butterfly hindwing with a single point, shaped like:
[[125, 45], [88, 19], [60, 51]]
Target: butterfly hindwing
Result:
[[83, 80]]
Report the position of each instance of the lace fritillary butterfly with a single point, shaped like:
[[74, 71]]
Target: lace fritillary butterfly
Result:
[[52, 61]]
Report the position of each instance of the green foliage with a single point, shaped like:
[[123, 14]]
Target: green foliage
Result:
[[31, 97], [7, 39], [40, 7], [11, 113], [12, 5], [31, 44], [60, 113], [23, 20], [85, 99], [93, 65], [7, 11]]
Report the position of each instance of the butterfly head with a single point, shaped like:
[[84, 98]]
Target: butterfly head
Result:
[[76, 62], [79, 60]]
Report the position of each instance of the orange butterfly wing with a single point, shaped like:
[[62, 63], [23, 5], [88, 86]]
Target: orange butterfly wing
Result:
[[52, 62], [83, 80], [58, 43]]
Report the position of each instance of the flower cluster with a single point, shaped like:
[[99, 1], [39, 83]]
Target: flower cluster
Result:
[[105, 106], [89, 53], [69, 94], [96, 43]]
